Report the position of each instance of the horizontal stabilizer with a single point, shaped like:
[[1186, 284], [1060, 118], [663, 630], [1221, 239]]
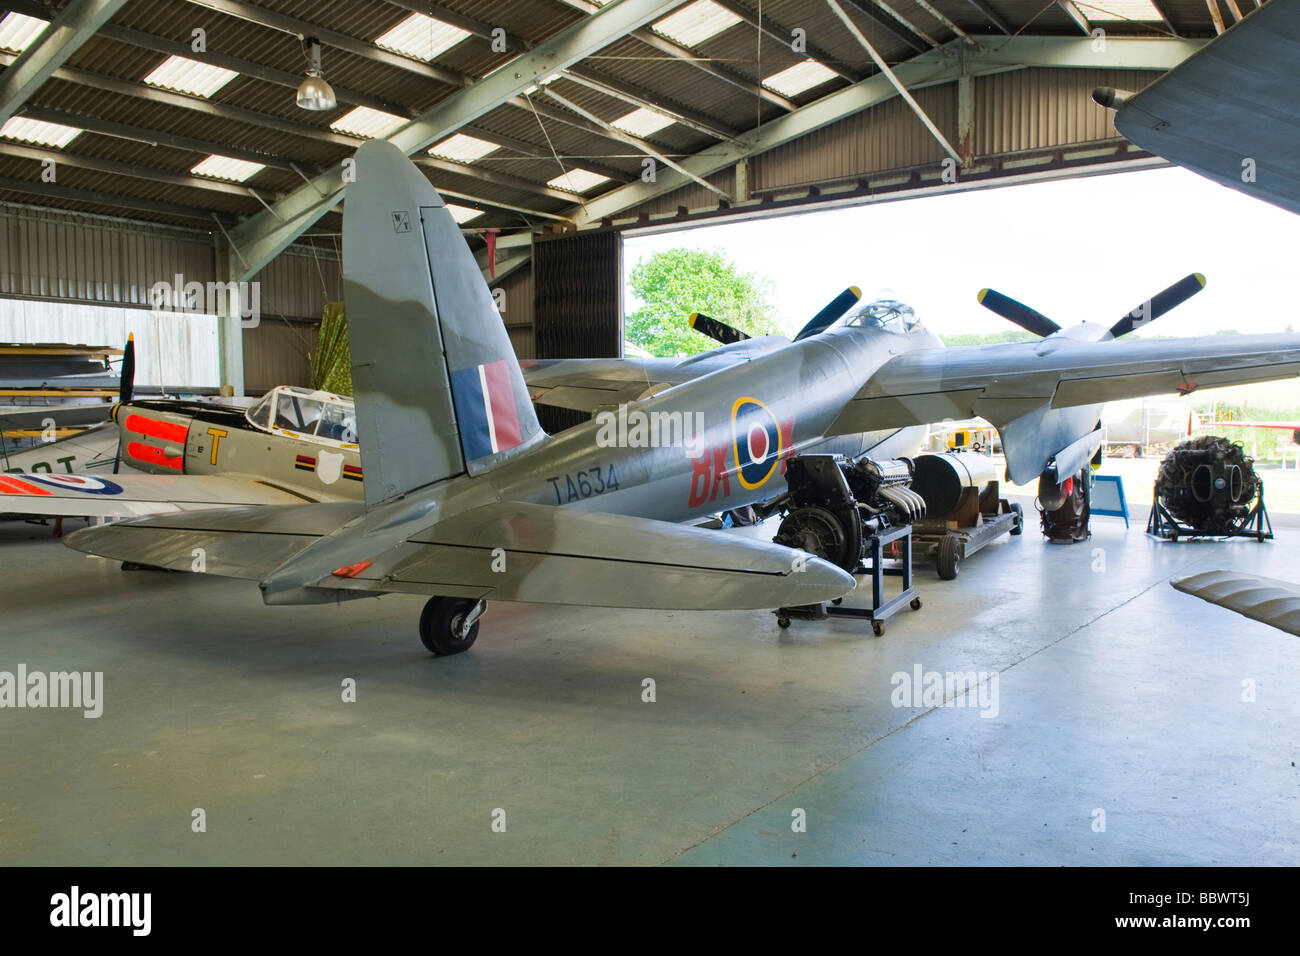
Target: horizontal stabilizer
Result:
[[547, 554], [243, 542]]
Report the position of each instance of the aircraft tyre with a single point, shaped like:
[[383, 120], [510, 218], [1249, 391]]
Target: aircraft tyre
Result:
[[443, 629], [1019, 526]]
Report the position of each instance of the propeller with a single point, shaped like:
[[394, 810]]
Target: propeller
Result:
[[1017, 312], [125, 390], [126, 377], [837, 306], [715, 329], [1159, 304]]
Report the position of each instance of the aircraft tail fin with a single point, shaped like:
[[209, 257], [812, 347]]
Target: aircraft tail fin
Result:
[[438, 390]]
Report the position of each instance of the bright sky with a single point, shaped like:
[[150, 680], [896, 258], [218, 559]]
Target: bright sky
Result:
[[1078, 249]]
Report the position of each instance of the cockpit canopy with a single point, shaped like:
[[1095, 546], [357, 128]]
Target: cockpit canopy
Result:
[[307, 413], [887, 314]]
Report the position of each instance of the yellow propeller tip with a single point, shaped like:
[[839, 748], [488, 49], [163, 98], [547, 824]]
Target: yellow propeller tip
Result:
[[857, 293], [981, 294], [690, 319], [1200, 277], [130, 336]]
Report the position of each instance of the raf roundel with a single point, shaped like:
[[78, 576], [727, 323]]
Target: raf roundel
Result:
[[755, 441], [82, 483]]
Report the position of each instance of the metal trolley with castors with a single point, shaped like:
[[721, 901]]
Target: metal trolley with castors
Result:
[[850, 513]]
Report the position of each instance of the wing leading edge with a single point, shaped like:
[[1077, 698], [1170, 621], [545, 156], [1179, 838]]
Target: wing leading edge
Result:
[[1006, 383]]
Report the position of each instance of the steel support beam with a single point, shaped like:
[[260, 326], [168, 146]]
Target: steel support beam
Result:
[[780, 34], [148, 173], [1076, 15], [965, 118], [153, 137], [341, 41], [943, 18], [991, 16], [893, 79], [906, 23], [230, 324], [55, 191], [687, 55], [893, 27], [927, 69], [633, 141], [74, 25], [263, 237], [498, 179], [637, 96]]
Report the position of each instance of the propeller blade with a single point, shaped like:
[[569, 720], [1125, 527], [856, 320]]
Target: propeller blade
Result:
[[1017, 312], [715, 329], [126, 377], [833, 309], [125, 390], [1159, 304]]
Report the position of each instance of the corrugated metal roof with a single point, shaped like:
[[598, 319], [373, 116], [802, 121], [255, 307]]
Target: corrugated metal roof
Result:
[[274, 126]]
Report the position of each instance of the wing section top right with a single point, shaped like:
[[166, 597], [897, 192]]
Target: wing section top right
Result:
[[1003, 382], [1233, 101]]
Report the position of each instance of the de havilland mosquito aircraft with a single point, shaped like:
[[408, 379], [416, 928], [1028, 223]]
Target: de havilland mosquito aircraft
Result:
[[467, 499]]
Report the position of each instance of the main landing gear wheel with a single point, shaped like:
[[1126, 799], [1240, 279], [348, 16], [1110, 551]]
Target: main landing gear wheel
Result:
[[450, 625]]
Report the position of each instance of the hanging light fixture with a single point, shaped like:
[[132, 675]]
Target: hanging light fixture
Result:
[[313, 92]]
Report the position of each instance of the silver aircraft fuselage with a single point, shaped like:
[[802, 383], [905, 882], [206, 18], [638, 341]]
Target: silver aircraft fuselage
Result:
[[791, 396]]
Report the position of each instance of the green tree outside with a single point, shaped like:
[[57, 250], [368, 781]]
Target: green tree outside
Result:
[[672, 284]]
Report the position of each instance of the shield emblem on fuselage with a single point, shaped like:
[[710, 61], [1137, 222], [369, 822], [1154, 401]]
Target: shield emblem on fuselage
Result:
[[329, 466]]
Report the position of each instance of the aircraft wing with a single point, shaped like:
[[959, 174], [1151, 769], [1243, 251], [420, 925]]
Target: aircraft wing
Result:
[[130, 496], [1229, 111], [590, 384], [63, 416], [1001, 383], [1273, 602], [512, 551]]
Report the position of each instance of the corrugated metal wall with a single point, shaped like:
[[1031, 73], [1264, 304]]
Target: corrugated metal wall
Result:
[[888, 136], [578, 296], [577, 305], [1016, 111], [298, 282], [517, 310], [110, 264], [1042, 109], [278, 352], [64, 255]]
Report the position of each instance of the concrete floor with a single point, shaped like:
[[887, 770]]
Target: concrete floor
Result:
[[1116, 693]]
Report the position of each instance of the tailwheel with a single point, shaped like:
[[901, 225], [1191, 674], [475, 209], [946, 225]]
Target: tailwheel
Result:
[[449, 625]]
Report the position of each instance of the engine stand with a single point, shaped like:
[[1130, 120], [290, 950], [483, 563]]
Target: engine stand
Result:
[[881, 609]]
